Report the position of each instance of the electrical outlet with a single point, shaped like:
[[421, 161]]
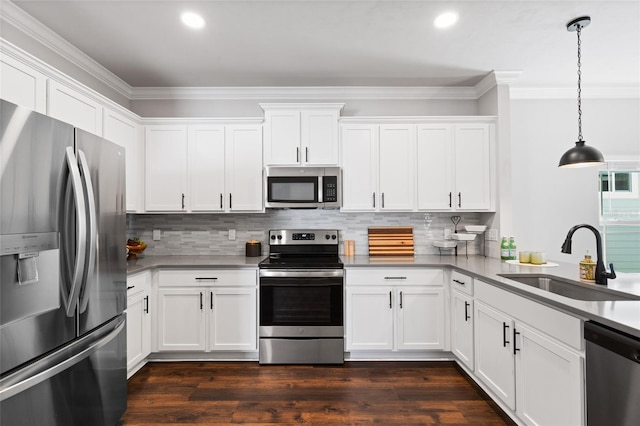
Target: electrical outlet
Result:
[[232, 234], [156, 235], [492, 235]]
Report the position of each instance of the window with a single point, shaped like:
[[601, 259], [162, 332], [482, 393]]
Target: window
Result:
[[621, 181]]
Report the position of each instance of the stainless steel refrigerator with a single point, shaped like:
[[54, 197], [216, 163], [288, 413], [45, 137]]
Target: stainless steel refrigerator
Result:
[[63, 274]]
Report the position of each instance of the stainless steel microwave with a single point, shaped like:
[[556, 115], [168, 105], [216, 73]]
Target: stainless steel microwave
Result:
[[303, 187]]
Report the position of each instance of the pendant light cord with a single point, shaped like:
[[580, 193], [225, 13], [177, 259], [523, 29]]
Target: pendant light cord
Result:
[[578, 28]]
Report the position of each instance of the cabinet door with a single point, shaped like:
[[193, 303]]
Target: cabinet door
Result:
[[282, 138], [369, 318], [70, 106], [22, 85], [549, 380], [181, 319], [462, 328], [397, 166], [494, 352], [319, 137], [125, 133], [420, 318], [244, 168], [206, 168], [137, 350], [435, 167], [233, 320], [359, 167], [472, 167], [166, 168]]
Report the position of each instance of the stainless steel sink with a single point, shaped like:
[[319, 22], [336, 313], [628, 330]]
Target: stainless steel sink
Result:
[[567, 288]]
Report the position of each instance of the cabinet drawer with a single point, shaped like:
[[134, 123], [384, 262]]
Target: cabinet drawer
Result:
[[391, 276], [138, 283], [462, 282], [556, 324], [207, 277]]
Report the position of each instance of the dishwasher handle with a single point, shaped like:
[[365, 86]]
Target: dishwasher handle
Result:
[[615, 341]]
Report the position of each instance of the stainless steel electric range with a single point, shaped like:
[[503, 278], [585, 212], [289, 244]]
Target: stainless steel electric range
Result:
[[301, 298]]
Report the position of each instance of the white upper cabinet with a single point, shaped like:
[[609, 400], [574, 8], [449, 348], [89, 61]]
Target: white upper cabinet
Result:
[[165, 168], [73, 107], [22, 85], [244, 168], [127, 134], [472, 167], [455, 166], [301, 134], [378, 167], [206, 168]]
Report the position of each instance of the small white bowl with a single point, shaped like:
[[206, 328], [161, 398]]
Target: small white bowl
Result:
[[446, 244], [463, 237], [475, 229]]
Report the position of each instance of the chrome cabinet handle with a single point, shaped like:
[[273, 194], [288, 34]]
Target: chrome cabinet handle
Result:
[[504, 334], [383, 200], [466, 311], [146, 309], [459, 199], [306, 154], [515, 333], [182, 201], [297, 154], [390, 306], [395, 278], [400, 300], [374, 200]]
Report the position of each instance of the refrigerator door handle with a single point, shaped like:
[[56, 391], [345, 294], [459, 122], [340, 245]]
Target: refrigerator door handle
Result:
[[71, 300], [92, 242], [59, 361]]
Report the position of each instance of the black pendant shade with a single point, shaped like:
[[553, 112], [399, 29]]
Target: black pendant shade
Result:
[[581, 155]]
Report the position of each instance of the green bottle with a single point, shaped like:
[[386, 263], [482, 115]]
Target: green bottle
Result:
[[504, 249], [512, 248]]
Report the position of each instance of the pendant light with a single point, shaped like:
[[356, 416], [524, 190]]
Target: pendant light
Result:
[[580, 155]]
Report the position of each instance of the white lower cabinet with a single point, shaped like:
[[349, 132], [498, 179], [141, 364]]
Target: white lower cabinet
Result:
[[538, 377], [207, 310], [395, 317], [462, 327], [138, 321]]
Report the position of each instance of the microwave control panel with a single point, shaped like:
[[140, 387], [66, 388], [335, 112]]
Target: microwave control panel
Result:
[[330, 189]]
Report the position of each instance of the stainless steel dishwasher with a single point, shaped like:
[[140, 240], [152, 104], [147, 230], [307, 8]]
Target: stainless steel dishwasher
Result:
[[613, 376]]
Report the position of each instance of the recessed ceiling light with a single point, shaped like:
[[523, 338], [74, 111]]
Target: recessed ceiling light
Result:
[[192, 20], [445, 20]]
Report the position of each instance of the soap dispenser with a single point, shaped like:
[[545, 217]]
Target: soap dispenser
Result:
[[588, 269]]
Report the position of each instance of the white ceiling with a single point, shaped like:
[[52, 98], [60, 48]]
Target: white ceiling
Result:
[[350, 43]]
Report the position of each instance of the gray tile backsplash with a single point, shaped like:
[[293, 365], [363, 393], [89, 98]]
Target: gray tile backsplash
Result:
[[207, 234]]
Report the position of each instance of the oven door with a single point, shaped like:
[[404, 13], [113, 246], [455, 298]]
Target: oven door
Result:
[[301, 304]]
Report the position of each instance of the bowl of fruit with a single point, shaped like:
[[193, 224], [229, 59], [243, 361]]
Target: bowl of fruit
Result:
[[135, 246]]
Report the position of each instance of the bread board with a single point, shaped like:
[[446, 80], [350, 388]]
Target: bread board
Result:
[[391, 241]]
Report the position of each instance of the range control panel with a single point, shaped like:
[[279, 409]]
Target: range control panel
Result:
[[306, 237]]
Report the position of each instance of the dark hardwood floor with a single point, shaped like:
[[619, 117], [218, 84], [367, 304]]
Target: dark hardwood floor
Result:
[[388, 393]]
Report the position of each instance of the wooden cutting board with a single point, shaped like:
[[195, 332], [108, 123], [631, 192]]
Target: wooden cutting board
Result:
[[391, 241]]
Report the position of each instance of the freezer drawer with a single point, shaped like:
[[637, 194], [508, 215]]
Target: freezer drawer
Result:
[[82, 384]]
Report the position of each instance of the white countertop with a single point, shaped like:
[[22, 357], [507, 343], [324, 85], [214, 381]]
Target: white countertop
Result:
[[621, 315]]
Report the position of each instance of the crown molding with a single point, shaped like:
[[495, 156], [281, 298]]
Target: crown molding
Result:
[[303, 93], [15, 16], [623, 92], [495, 78]]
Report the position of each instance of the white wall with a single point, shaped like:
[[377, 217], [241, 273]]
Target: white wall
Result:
[[547, 201]]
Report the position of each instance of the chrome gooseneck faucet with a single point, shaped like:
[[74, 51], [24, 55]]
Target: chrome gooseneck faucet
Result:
[[601, 273]]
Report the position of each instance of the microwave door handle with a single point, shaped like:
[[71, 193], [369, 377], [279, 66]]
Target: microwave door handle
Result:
[[92, 243], [320, 188]]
